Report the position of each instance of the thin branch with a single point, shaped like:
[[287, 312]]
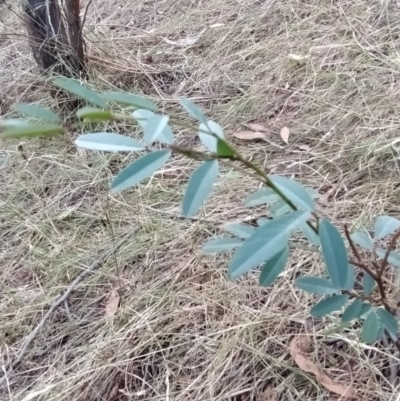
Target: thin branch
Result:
[[57, 302]]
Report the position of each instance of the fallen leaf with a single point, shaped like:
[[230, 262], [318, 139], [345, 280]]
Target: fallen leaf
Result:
[[257, 127], [306, 365], [112, 304], [305, 148], [249, 135], [269, 394], [285, 134]]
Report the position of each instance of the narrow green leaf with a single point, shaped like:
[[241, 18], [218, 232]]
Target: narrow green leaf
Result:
[[335, 253], [370, 331], [32, 130], [385, 225], [210, 139], [363, 239], [328, 305], [240, 230], [157, 129], [265, 243], [353, 311], [224, 149], [81, 91], [279, 208], [310, 234], [316, 285], [261, 197], [273, 267], [193, 110], [142, 116], [14, 123], [39, 112], [139, 170], [130, 100], [108, 142], [389, 322], [294, 191], [93, 113], [368, 284], [351, 278], [393, 259], [222, 245], [200, 185]]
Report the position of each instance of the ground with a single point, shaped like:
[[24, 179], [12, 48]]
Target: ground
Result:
[[328, 71]]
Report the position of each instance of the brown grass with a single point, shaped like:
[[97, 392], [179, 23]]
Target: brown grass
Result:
[[329, 71]]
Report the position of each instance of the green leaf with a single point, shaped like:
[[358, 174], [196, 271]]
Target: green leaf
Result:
[[193, 110], [351, 278], [263, 221], [224, 149], [329, 305], [365, 310], [316, 285], [273, 267], [200, 185], [393, 259], [265, 243], [335, 253], [370, 331], [240, 230], [210, 140], [93, 113], [261, 197], [222, 245], [26, 130], [368, 284], [14, 123], [385, 225], [353, 311], [363, 239], [130, 100], [279, 208], [139, 170], [40, 112], [157, 129], [310, 234], [80, 90], [108, 142], [142, 117], [294, 191], [389, 322]]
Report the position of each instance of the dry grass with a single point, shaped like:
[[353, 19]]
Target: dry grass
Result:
[[327, 70]]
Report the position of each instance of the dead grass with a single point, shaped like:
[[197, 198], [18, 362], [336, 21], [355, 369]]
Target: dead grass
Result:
[[327, 70]]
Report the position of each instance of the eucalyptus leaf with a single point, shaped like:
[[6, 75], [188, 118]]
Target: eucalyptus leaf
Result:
[[193, 110], [368, 284], [142, 116], [371, 328], [389, 322], [79, 90], [130, 100], [221, 245], [316, 285], [108, 142], [363, 239], [139, 170], [200, 185], [335, 253], [328, 305], [209, 134], [265, 243], [261, 197], [240, 230], [294, 192], [39, 112], [157, 129], [353, 311], [385, 225], [273, 267]]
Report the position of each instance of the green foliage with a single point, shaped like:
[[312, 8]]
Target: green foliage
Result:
[[200, 185], [290, 207]]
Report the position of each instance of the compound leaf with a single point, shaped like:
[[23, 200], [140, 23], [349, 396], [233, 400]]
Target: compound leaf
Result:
[[329, 305], [316, 285], [393, 259], [108, 142], [389, 322], [363, 239], [261, 197], [193, 110], [353, 311], [139, 170], [157, 129], [371, 328], [240, 230], [368, 284], [200, 185], [385, 225], [221, 245], [273, 267], [130, 100]]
